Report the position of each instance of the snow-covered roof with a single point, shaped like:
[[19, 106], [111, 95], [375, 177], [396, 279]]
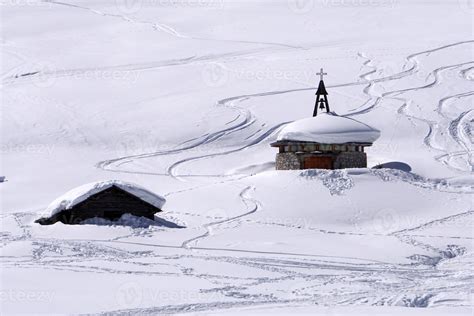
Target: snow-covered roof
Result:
[[329, 128], [80, 194]]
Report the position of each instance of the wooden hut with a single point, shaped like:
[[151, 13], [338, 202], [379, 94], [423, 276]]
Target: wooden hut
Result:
[[108, 200]]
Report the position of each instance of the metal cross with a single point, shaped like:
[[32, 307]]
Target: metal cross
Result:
[[321, 73]]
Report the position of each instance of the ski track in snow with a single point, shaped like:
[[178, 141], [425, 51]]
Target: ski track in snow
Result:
[[420, 301], [166, 28], [255, 205], [412, 64], [22, 78], [434, 222], [157, 26], [243, 119], [423, 300], [249, 119], [29, 76], [239, 289]]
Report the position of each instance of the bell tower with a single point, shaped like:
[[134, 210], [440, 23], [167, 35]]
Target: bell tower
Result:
[[321, 95]]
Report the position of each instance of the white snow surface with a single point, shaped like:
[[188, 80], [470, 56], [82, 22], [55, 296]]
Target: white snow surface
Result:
[[83, 192], [329, 128], [184, 98]]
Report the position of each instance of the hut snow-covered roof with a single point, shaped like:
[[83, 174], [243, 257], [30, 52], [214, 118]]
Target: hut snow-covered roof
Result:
[[83, 192]]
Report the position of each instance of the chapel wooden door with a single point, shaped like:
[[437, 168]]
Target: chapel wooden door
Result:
[[318, 162]]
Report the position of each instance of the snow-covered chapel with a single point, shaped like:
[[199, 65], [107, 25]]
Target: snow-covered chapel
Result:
[[324, 141]]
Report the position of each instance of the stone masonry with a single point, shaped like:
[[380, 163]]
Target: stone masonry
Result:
[[287, 161], [350, 160], [342, 160]]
